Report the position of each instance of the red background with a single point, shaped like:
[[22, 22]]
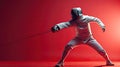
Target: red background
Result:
[[24, 26]]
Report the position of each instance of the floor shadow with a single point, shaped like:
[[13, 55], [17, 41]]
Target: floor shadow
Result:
[[101, 66]]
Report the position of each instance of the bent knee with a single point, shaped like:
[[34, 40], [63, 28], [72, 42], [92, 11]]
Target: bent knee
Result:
[[68, 47]]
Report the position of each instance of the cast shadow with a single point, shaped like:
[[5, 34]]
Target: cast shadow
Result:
[[102, 66]]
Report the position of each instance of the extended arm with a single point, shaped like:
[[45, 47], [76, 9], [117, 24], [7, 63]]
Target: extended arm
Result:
[[60, 26]]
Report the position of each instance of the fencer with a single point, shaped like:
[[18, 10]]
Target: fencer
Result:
[[83, 34]]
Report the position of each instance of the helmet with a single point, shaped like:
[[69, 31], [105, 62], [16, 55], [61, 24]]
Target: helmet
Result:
[[75, 12]]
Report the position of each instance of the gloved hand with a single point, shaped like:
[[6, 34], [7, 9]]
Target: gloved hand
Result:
[[103, 29], [55, 28]]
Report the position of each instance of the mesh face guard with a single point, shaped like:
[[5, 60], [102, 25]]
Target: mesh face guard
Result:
[[75, 12]]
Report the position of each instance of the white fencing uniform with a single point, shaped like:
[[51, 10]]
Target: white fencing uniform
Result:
[[83, 34], [83, 31]]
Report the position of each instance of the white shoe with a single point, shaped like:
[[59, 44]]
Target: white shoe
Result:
[[59, 65], [109, 63]]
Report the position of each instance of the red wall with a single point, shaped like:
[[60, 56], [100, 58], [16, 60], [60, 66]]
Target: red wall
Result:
[[25, 25]]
